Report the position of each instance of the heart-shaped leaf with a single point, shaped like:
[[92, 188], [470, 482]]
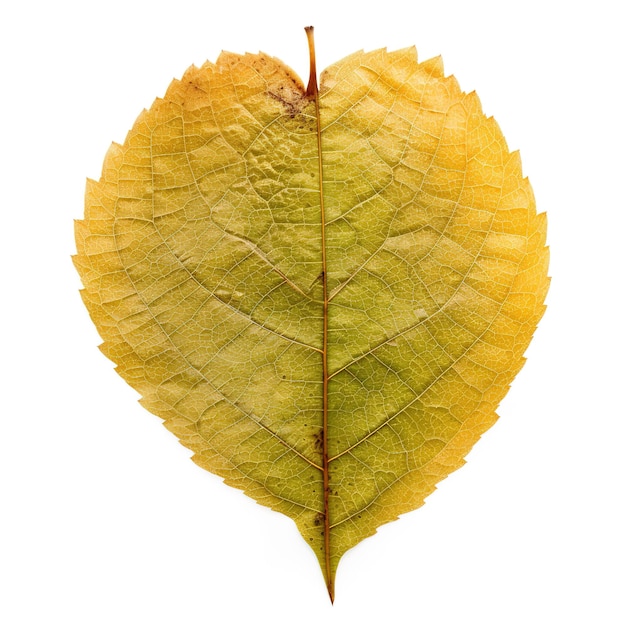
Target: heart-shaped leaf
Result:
[[324, 293]]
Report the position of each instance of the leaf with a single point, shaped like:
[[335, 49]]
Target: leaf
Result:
[[324, 294]]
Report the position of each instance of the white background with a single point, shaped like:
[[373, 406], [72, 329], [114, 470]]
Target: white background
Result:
[[104, 519]]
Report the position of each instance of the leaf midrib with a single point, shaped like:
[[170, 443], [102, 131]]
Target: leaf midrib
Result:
[[313, 93]]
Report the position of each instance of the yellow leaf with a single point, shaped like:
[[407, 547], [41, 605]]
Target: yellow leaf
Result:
[[325, 294]]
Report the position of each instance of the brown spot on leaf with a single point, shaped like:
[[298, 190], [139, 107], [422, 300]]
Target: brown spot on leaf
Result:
[[291, 96], [319, 440]]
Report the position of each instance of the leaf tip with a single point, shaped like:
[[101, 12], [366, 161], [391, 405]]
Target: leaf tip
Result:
[[331, 591]]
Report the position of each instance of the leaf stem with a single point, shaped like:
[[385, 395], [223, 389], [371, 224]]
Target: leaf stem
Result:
[[311, 89]]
